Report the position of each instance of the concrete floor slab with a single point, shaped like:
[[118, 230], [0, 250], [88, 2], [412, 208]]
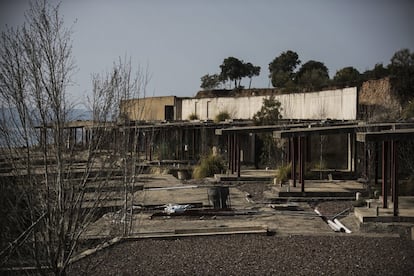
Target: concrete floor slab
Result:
[[164, 189], [378, 214]]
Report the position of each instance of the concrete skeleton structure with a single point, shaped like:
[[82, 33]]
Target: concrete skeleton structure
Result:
[[387, 133], [389, 140], [160, 122], [154, 119]]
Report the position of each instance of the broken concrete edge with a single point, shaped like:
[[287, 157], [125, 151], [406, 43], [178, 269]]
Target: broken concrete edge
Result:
[[384, 219], [240, 229]]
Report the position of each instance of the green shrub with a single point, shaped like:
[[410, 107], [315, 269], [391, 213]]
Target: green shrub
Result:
[[193, 116], [209, 166], [222, 116], [284, 173]]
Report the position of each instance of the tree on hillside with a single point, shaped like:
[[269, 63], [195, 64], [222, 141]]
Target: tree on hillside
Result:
[[251, 71], [233, 69], [210, 81], [282, 68], [401, 70], [36, 64], [401, 73], [347, 76], [378, 72], [313, 75], [402, 59]]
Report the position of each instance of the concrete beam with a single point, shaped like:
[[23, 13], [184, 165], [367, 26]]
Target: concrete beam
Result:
[[314, 131], [386, 135]]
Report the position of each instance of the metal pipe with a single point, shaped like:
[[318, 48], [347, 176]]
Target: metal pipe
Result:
[[330, 223], [342, 227], [334, 223]]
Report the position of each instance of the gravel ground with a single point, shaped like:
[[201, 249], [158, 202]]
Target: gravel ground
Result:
[[256, 254], [331, 208], [328, 208], [253, 255]]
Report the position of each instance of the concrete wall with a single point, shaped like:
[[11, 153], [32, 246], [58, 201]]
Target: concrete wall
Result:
[[148, 109], [340, 104]]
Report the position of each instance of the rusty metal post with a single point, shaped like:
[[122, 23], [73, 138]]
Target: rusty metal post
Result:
[[302, 162], [233, 156], [394, 180], [390, 186], [151, 139], [229, 151], [238, 155], [193, 146], [300, 158], [293, 172], [366, 171], [146, 145], [289, 151], [376, 164], [384, 174]]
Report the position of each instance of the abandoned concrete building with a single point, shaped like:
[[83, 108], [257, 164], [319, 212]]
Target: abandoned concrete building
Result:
[[164, 131], [189, 139], [327, 133], [325, 140]]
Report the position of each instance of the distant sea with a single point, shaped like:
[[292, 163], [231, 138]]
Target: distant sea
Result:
[[10, 126]]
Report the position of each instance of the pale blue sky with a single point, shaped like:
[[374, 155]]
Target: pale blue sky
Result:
[[182, 40]]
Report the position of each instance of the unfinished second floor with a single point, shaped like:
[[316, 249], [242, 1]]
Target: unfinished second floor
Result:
[[373, 98]]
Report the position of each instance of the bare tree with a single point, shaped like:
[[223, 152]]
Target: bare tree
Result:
[[124, 84], [50, 190]]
